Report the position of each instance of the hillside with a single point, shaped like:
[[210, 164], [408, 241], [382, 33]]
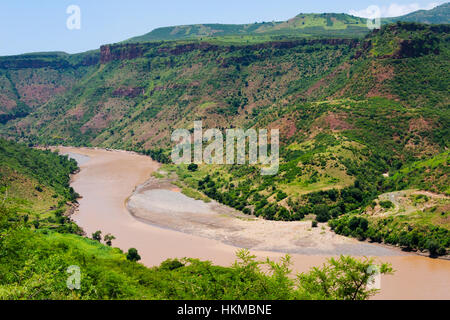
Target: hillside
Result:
[[30, 80], [35, 184], [411, 219], [437, 15], [373, 116], [139, 93], [303, 25]]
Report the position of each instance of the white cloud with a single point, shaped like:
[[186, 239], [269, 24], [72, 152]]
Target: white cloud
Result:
[[393, 10]]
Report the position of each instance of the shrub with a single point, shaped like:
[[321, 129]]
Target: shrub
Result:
[[193, 167], [97, 236], [386, 204], [133, 255], [281, 195], [322, 213], [171, 264], [108, 239]]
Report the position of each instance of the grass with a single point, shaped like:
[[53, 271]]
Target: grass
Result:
[[21, 192], [191, 193], [430, 174], [86, 245], [434, 216]]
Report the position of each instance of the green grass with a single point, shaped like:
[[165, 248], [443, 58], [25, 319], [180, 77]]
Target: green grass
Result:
[[189, 192], [86, 245], [430, 174]]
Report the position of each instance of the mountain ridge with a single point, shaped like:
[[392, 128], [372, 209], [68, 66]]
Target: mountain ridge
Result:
[[302, 25]]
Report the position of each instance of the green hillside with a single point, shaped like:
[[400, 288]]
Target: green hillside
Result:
[[437, 15], [30, 80], [370, 116], [35, 185], [303, 25], [364, 129], [127, 103], [431, 174], [33, 266]]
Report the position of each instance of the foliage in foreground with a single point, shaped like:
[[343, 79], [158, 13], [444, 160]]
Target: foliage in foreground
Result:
[[33, 265]]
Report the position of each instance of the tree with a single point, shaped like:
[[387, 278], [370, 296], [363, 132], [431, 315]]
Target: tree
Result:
[[281, 195], [97, 236], [432, 246], [386, 204], [193, 167], [322, 213], [108, 239], [343, 279], [133, 255]]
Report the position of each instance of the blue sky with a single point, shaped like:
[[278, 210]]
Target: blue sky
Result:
[[40, 25]]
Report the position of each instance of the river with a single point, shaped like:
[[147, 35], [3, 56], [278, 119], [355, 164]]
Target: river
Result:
[[108, 178]]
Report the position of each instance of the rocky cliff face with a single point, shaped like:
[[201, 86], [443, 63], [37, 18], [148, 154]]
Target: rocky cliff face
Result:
[[131, 51], [120, 52]]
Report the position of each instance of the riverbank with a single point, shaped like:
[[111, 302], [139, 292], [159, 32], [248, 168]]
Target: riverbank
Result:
[[159, 202], [108, 179]]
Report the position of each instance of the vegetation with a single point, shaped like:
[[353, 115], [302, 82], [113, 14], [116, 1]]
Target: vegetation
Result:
[[437, 15], [97, 236], [334, 163], [430, 174], [303, 25], [395, 231], [133, 255], [33, 265], [35, 183], [46, 167], [108, 239]]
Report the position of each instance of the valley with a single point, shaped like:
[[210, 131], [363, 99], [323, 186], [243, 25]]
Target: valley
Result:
[[88, 177]]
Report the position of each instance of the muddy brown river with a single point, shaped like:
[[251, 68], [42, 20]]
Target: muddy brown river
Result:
[[108, 178]]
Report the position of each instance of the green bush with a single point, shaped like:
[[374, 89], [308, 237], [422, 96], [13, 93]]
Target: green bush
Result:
[[193, 167], [133, 255], [322, 213], [386, 204]]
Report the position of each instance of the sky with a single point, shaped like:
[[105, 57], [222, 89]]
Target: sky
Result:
[[42, 25]]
